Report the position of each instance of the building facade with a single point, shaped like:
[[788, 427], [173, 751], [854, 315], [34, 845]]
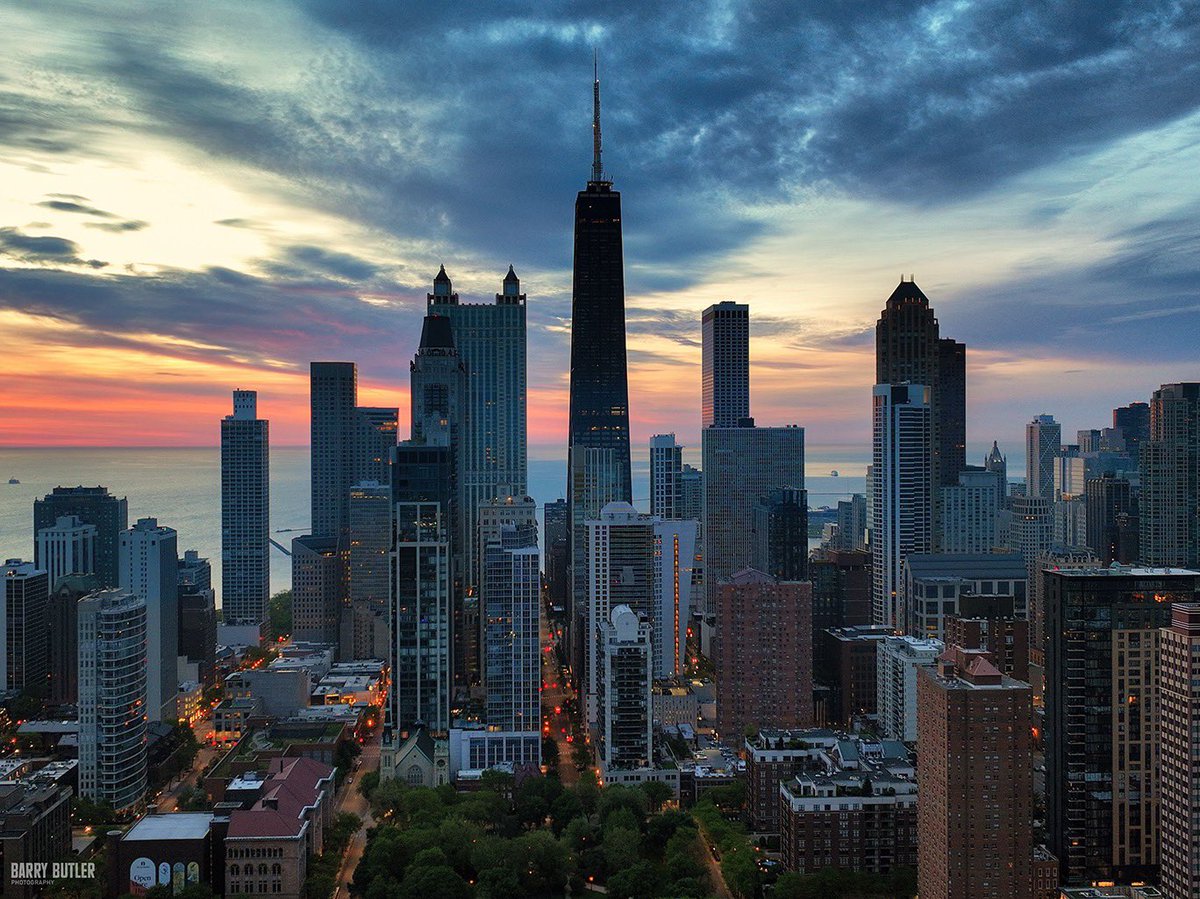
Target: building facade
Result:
[[318, 588], [675, 547], [902, 483], [91, 505], [245, 512], [149, 568], [666, 465], [1170, 464], [781, 534], [1103, 778], [725, 365], [333, 392], [625, 728], [974, 820], [511, 602], [113, 626], [898, 659], [1043, 442], [1179, 704], [67, 547], [25, 664], [763, 654]]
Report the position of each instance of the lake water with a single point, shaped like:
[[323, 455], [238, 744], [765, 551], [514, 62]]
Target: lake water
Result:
[[181, 487]]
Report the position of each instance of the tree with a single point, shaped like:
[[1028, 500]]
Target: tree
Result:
[[434, 882], [279, 615], [564, 810], [588, 791], [657, 793], [622, 797], [620, 848], [367, 784], [639, 881]]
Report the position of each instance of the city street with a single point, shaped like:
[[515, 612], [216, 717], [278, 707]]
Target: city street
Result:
[[206, 754], [352, 801], [555, 694]]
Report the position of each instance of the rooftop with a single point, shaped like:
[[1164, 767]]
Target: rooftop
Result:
[[173, 826], [968, 566]]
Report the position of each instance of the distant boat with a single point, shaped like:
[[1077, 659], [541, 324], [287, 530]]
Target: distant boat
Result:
[[833, 474], [13, 481]]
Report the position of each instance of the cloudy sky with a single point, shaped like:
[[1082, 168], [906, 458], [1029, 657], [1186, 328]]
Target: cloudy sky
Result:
[[197, 197]]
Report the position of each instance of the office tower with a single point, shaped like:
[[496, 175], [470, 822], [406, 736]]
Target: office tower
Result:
[[975, 768], [493, 447], [1053, 558], [1070, 509], [725, 365], [1134, 422], [245, 512], [1088, 440], [599, 405], [908, 348], [150, 570], [1030, 531], [626, 721], [367, 566], [851, 669], [113, 685], [492, 517], [902, 483], [62, 615], [897, 661], [971, 513], [198, 631], [620, 572], [318, 586], [375, 433], [666, 465], [997, 464], [740, 465], [763, 654], [511, 602], [67, 547], [24, 660], [556, 542], [841, 580], [781, 534], [1102, 756], [1179, 704], [1043, 442], [1170, 497], [691, 494], [595, 482], [91, 505], [1109, 498], [420, 608], [674, 567], [851, 523], [333, 392], [951, 405], [935, 586], [194, 572]]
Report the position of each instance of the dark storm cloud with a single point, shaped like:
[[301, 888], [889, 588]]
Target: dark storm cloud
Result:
[[42, 250], [473, 130]]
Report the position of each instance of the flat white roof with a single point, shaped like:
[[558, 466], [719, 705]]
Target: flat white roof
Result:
[[174, 826]]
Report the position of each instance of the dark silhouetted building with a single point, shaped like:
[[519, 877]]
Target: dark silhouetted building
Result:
[[91, 505], [1134, 422], [1170, 497], [725, 365], [333, 392], [781, 534], [25, 664], [851, 670], [63, 617], [1110, 508], [1102, 749], [245, 512], [318, 588]]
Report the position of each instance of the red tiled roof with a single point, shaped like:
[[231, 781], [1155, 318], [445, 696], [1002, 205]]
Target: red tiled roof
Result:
[[264, 822]]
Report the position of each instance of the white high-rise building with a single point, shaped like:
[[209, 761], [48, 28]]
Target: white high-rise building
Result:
[[902, 483], [896, 662], [511, 602], [595, 482], [112, 699], [67, 547], [675, 544], [725, 365], [1043, 442], [625, 730], [245, 512], [740, 465], [149, 569], [620, 559], [666, 485]]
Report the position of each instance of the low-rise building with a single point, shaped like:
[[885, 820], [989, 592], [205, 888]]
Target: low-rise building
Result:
[[773, 757], [190, 702], [35, 826], [232, 718], [281, 691], [859, 814], [1045, 874], [675, 704], [173, 850]]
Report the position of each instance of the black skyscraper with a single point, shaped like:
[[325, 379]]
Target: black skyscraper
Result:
[[599, 386]]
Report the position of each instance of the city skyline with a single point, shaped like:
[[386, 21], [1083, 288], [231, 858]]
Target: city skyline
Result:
[[173, 200]]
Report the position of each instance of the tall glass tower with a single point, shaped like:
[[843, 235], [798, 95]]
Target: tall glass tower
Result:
[[599, 386]]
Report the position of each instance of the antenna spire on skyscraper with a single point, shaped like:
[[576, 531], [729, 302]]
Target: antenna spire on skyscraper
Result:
[[597, 169]]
